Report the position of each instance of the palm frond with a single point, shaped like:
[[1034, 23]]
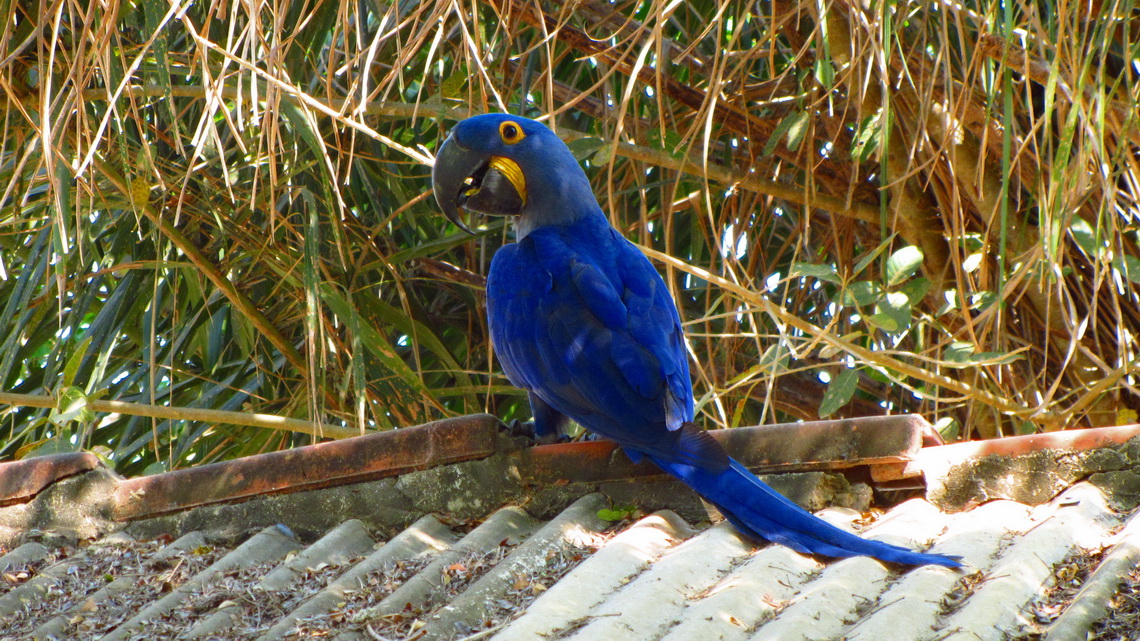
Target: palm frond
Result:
[[226, 206]]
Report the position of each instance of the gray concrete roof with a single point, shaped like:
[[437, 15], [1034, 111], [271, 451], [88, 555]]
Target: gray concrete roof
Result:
[[454, 530], [1052, 570]]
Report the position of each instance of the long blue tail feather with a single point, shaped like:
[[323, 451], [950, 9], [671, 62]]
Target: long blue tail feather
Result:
[[761, 512]]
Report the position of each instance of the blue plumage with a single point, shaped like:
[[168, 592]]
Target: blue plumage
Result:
[[581, 320]]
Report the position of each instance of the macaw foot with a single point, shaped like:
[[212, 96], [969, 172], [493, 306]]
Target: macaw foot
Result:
[[527, 430], [518, 428]]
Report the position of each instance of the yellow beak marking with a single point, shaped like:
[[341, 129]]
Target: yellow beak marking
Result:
[[513, 172]]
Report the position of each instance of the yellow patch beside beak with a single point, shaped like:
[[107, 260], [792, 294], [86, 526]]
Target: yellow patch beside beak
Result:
[[513, 172]]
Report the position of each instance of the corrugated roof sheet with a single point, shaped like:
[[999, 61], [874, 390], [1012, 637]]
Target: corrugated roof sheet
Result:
[[1053, 570], [202, 564]]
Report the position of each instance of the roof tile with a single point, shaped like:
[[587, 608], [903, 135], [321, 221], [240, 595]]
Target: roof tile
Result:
[[349, 460], [423, 540], [578, 527], [647, 605], [342, 544], [996, 609], [591, 583], [268, 545], [515, 577], [750, 594], [910, 609], [23, 479], [29, 553], [655, 579], [1091, 604]]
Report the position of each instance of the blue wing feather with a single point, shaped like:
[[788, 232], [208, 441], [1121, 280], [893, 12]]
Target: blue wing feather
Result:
[[581, 298]]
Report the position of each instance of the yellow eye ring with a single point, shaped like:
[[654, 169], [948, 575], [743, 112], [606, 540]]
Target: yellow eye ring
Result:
[[510, 132]]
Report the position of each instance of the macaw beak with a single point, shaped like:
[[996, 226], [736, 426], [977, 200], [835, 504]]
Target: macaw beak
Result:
[[474, 181]]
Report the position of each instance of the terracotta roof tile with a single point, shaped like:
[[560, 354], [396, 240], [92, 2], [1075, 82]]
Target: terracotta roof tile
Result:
[[350, 460], [21, 480]]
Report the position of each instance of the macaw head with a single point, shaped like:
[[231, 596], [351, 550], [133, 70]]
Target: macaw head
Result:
[[503, 165]]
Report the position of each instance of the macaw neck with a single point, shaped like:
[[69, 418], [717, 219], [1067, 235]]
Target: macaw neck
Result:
[[531, 220], [557, 197]]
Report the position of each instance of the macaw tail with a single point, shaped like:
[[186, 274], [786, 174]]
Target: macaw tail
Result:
[[763, 513]]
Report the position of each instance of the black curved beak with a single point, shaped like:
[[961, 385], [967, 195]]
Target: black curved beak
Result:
[[464, 178]]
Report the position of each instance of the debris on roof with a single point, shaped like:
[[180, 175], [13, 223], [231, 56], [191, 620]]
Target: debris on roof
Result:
[[577, 577], [444, 549]]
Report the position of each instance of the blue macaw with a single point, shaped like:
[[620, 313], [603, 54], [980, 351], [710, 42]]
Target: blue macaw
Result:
[[582, 321]]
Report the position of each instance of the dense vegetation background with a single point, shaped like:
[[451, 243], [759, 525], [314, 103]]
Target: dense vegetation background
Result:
[[861, 208]]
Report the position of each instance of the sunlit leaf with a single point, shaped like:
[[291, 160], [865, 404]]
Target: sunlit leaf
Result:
[[873, 254], [915, 289], [1128, 266], [585, 147], [860, 293], [1084, 235], [963, 354], [821, 272], [866, 141], [71, 406], [774, 359], [840, 391], [948, 428], [903, 264], [617, 513], [792, 128]]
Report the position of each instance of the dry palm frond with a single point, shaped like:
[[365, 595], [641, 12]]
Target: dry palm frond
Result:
[[924, 207]]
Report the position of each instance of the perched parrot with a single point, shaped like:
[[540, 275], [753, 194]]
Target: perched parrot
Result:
[[582, 321]]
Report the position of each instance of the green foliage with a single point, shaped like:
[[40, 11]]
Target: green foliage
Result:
[[617, 513], [230, 208], [903, 264], [839, 392]]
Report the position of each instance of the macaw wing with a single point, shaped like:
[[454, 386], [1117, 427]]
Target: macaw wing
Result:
[[598, 339]]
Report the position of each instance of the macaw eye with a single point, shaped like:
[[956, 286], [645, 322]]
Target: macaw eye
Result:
[[511, 132]]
